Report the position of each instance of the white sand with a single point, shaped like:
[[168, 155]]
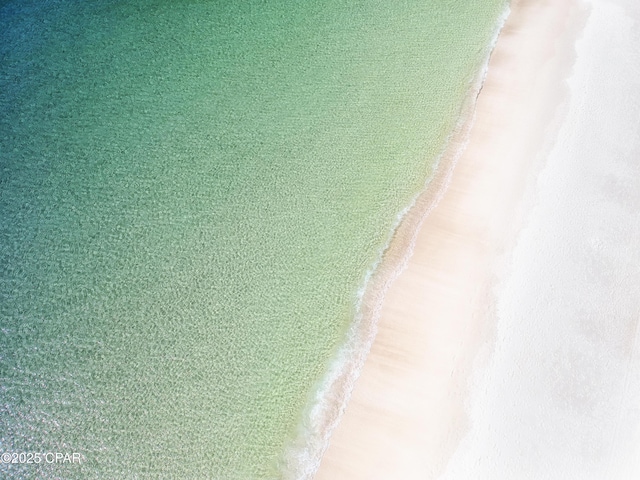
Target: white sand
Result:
[[560, 398], [557, 359]]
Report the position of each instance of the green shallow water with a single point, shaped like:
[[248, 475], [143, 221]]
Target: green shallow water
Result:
[[191, 194]]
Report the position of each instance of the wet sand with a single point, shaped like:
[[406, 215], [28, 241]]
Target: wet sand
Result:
[[406, 414]]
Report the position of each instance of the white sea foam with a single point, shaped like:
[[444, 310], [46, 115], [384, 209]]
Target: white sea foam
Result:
[[303, 457]]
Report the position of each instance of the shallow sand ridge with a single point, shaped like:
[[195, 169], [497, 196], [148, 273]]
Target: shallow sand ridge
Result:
[[406, 414]]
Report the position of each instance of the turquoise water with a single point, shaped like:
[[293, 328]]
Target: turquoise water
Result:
[[191, 194]]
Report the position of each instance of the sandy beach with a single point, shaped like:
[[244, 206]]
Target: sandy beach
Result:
[[409, 410], [559, 395]]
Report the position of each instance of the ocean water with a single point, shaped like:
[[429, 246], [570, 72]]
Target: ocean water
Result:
[[191, 195]]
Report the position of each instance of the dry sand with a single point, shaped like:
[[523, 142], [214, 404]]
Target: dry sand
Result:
[[559, 397], [406, 413]]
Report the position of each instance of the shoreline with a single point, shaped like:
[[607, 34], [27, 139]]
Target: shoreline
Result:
[[303, 457], [382, 431]]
